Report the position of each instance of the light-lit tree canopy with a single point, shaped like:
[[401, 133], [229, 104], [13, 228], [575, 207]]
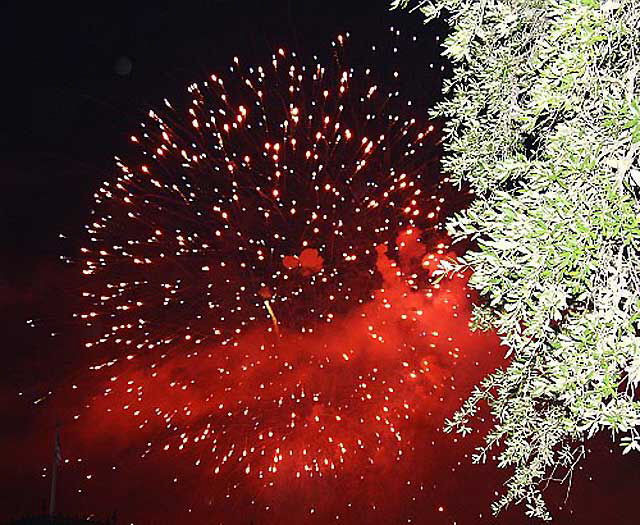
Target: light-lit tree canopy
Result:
[[543, 122]]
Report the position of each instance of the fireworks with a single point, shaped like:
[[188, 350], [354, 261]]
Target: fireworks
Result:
[[259, 285]]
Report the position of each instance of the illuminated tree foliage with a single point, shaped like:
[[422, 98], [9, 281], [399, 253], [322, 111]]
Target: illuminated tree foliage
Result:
[[543, 121]]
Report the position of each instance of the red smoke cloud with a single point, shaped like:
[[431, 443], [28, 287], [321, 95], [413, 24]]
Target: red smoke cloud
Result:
[[342, 419]]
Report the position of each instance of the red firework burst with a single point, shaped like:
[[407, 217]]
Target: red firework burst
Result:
[[259, 286]]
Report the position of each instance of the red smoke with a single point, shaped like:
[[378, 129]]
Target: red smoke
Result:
[[339, 421]]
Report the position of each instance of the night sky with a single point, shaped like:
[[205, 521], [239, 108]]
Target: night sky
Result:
[[77, 84]]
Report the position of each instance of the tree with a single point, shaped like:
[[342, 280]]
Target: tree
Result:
[[543, 122]]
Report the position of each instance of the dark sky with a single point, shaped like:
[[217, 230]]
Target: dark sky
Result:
[[76, 82]]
